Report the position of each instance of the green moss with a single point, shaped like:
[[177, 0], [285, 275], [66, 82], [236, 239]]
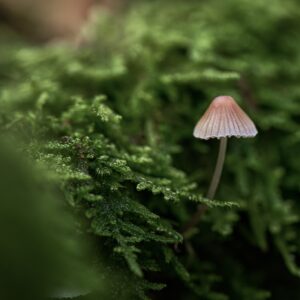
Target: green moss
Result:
[[113, 122]]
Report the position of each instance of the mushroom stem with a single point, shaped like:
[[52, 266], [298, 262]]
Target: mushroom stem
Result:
[[211, 191], [218, 169]]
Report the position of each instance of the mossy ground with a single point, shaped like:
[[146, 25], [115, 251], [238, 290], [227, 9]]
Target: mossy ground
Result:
[[113, 120]]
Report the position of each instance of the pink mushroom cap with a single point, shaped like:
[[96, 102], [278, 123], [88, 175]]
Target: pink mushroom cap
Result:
[[224, 118]]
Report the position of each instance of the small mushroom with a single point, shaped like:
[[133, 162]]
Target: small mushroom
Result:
[[223, 118]]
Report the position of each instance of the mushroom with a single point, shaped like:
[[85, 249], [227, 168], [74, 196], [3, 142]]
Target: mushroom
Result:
[[223, 118]]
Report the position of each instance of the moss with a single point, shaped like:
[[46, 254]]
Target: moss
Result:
[[113, 121]]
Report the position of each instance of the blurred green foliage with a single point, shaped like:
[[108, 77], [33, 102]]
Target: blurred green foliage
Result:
[[41, 251], [113, 122]]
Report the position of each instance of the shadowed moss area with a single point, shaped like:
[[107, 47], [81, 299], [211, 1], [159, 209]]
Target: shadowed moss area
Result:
[[112, 123]]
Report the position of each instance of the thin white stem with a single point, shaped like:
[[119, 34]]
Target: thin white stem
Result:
[[212, 188], [218, 169]]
